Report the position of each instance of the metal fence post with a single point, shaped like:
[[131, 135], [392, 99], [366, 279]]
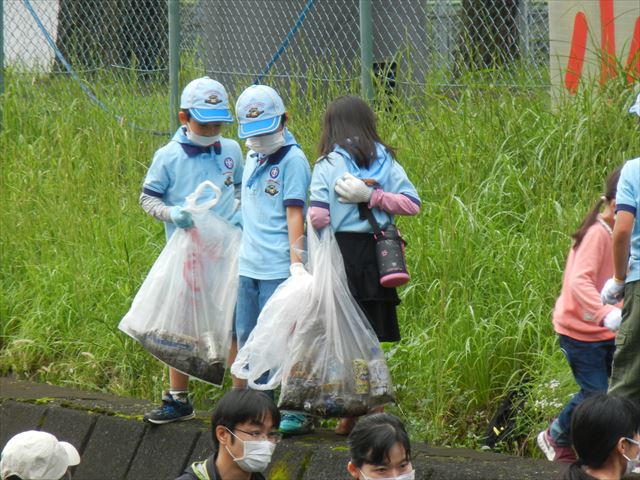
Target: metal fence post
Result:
[[525, 33], [441, 28], [366, 49], [174, 62]]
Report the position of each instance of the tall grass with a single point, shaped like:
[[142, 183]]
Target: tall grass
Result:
[[504, 177]]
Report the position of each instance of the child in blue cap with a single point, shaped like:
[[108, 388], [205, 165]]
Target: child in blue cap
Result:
[[274, 196], [197, 152]]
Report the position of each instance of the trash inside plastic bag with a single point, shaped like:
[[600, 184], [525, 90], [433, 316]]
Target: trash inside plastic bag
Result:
[[183, 312], [314, 339], [263, 355], [335, 366]]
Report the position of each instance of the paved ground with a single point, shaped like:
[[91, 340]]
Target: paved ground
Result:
[[115, 444]]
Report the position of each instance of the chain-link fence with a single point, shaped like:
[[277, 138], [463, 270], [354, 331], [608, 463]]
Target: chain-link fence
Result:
[[118, 50]]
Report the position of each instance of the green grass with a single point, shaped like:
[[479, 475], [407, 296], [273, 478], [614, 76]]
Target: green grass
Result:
[[504, 177]]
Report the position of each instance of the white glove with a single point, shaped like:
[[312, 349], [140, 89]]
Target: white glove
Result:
[[613, 319], [352, 190], [297, 269], [612, 292]]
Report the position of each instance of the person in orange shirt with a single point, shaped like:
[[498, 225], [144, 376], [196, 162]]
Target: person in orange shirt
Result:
[[585, 327]]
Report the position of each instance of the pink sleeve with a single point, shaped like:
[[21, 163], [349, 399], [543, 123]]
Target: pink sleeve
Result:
[[319, 217], [395, 203], [593, 266]]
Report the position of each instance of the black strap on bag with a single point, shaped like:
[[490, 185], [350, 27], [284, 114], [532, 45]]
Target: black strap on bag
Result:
[[365, 214]]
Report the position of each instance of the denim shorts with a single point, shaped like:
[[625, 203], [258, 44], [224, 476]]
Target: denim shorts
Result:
[[252, 296]]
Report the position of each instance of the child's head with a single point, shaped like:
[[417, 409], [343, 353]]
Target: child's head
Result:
[[606, 428], [260, 111], [350, 123], [244, 427], [380, 448], [204, 107], [607, 199], [242, 407], [261, 119], [37, 455]]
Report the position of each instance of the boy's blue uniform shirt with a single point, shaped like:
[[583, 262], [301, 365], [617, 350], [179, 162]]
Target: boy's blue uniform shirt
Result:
[[269, 185], [628, 200], [180, 166], [345, 217]]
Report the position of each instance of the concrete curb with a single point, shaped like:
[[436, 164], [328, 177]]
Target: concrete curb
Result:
[[116, 445]]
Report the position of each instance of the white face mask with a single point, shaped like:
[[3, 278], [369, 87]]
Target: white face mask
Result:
[[405, 476], [632, 463], [266, 144], [201, 140], [257, 454]]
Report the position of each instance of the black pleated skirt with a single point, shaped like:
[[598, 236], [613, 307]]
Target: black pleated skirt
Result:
[[378, 302]]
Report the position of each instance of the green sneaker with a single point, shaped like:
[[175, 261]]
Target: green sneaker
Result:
[[295, 423]]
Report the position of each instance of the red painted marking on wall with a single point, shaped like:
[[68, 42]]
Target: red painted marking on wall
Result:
[[608, 41], [576, 53], [633, 62]]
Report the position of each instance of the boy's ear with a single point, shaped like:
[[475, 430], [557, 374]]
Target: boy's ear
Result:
[[622, 446], [222, 434], [353, 470], [182, 117]]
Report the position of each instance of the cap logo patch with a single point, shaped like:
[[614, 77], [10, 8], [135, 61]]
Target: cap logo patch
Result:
[[213, 99], [228, 162], [254, 112], [274, 172]]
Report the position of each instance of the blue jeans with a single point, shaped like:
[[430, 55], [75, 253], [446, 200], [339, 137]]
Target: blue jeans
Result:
[[590, 364], [252, 296]]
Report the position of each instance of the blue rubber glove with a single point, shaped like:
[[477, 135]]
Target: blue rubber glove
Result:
[[180, 217]]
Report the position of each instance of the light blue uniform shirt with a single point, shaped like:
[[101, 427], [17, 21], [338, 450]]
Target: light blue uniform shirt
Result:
[[269, 185], [628, 200], [180, 166], [345, 217]]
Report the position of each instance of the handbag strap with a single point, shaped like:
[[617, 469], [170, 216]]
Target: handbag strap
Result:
[[366, 214]]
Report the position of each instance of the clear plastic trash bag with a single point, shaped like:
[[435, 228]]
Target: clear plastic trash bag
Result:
[[183, 312], [313, 339], [263, 355]]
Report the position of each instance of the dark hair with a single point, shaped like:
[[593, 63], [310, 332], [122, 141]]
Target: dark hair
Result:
[[610, 188], [240, 406], [187, 113], [597, 424], [374, 436], [351, 124]]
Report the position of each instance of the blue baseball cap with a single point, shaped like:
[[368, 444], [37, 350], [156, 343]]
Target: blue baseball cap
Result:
[[635, 108], [206, 100], [259, 110]]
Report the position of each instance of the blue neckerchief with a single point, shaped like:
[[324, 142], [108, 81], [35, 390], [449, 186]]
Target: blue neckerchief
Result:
[[264, 160]]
